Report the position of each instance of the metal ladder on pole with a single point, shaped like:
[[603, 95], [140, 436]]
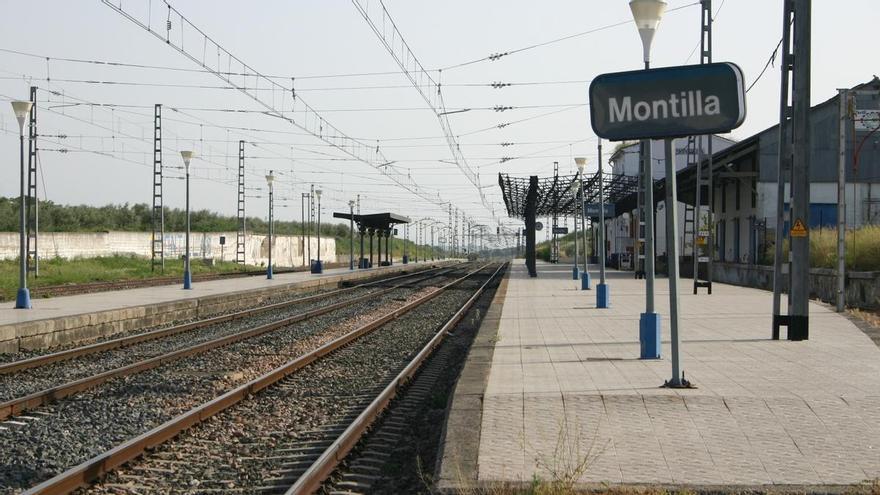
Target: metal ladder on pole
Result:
[[33, 207], [241, 235], [701, 232], [157, 243], [554, 243], [702, 236], [639, 241]]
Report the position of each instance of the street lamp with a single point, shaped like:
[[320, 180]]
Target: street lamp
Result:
[[575, 191], [269, 180], [23, 297], [585, 275], [351, 235], [187, 275], [416, 243], [647, 15], [603, 296], [319, 267]]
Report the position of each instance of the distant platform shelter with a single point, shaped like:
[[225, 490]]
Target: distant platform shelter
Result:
[[529, 198], [377, 225]]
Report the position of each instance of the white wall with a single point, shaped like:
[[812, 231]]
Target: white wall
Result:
[[287, 250]]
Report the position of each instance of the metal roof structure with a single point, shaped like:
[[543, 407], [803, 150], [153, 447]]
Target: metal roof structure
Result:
[[378, 221], [554, 194]]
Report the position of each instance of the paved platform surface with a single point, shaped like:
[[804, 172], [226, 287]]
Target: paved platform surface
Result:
[[111, 300], [566, 385]]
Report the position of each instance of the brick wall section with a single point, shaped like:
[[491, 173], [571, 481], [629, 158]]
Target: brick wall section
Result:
[[83, 328]]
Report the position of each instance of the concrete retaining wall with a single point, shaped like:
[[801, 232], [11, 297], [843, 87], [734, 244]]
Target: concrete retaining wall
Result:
[[862, 288], [51, 332], [287, 250]]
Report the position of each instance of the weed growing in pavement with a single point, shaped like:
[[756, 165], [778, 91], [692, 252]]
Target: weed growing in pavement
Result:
[[869, 487], [569, 461]]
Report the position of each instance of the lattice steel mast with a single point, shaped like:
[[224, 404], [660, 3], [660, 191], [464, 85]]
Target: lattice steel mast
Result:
[[157, 243]]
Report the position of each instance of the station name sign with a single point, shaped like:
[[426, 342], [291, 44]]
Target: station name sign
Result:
[[669, 102], [593, 210]]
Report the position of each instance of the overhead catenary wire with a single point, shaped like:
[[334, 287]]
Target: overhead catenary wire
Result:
[[498, 55], [767, 65], [430, 90], [312, 122], [111, 82], [110, 63]]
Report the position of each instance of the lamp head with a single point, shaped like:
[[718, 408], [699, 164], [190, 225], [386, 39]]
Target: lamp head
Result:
[[351, 203], [581, 163], [187, 157], [647, 15], [318, 193], [270, 179], [21, 109]]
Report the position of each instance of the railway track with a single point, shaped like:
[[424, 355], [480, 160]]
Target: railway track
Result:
[[73, 425], [146, 335], [290, 425], [33, 382]]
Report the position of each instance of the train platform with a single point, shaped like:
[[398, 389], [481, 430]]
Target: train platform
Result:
[[69, 319], [554, 389]]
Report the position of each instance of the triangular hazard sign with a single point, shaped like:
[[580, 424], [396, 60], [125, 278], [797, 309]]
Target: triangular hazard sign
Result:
[[798, 229]]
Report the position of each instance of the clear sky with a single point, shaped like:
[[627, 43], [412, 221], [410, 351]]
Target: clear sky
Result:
[[109, 148]]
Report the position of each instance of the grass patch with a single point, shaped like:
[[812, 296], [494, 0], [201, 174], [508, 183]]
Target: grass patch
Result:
[[862, 249], [539, 487], [59, 271]]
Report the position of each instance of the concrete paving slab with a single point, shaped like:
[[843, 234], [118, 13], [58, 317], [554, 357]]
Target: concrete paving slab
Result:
[[566, 388]]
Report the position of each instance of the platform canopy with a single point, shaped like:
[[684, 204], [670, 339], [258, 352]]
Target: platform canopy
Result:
[[554, 194], [378, 221]]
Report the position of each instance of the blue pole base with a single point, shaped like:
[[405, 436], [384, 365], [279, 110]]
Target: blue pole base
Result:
[[317, 266], [23, 299], [269, 272], [574, 273], [603, 296], [187, 280], [649, 335], [405, 259], [585, 281], [363, 263]]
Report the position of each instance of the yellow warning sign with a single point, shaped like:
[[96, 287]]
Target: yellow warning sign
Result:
[[798, 229]]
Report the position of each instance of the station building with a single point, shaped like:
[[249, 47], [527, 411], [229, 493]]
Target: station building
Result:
[[620, 231], [745, 184]]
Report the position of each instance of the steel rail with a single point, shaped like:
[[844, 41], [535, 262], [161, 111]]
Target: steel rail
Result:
[[25, 403], [75, 352], [88, 471], [312, 479]]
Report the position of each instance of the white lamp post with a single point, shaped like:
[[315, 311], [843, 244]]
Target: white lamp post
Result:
[[187, 275], [575, 192], [269, 180], [603, 296], [23, 297], [319, 267], [647, 15], [585, 275], [351, 235]]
